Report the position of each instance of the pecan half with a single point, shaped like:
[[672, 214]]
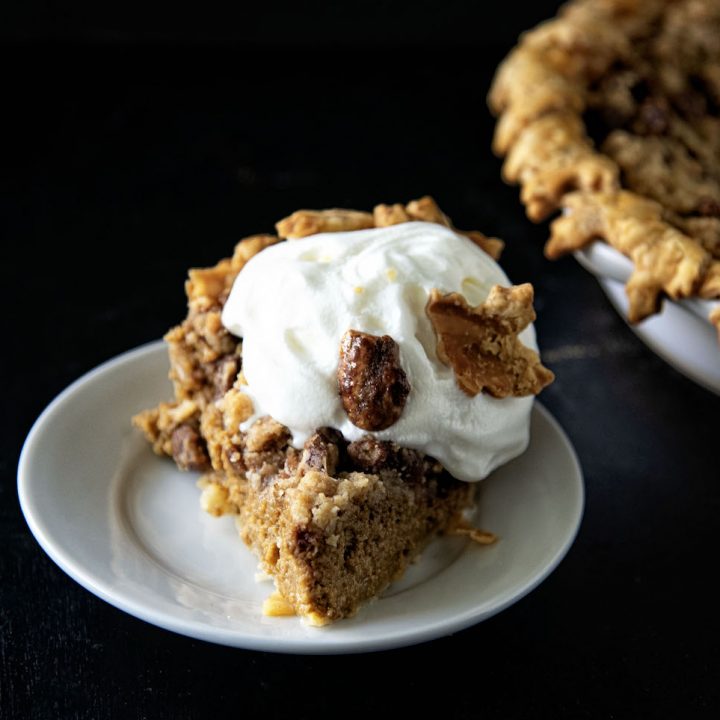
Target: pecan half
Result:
[[373, 387], [481, 343]]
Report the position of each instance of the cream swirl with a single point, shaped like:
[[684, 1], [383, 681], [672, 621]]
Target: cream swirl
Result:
[[292, 303]]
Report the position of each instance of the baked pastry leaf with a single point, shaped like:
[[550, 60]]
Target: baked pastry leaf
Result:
[[481, 343], [610, 113]]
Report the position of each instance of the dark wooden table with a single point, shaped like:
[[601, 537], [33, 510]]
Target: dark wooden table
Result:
[[125, 168]]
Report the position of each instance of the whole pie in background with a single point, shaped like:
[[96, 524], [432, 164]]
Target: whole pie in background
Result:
[[610, 113]]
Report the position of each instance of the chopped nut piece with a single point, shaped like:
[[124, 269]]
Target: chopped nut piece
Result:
[[481, 537], [373, 387], [226, 371], [214, 499], [309, 222], [481, 343], [188, 449], [322, 451], [277, 606], [372, 455]]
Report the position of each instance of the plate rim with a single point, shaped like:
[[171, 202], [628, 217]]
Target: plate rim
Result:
[[124, 601]]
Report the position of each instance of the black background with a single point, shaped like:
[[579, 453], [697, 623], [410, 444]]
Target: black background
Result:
[[139, 144]]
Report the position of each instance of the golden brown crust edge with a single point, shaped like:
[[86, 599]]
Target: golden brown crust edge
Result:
[[310, 222], [540, 93]]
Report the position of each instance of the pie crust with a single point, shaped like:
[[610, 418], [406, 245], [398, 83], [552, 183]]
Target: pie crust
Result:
[[610, 114]]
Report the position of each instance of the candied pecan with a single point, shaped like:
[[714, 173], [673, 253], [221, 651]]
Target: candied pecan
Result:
[[481, 343], [188, 449], [224, 374], [322, 451], [373, 387]]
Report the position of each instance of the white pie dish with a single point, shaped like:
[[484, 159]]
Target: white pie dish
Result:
[[127, 525], [680, 333]]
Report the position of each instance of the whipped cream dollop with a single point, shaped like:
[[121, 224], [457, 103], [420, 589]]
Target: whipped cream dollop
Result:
[[292, 303]]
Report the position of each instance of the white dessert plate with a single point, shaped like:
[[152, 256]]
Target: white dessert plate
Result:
[[127, 526], [680, 334]]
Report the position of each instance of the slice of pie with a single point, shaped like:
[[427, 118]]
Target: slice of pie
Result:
[[340, 386], [611, 113]]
